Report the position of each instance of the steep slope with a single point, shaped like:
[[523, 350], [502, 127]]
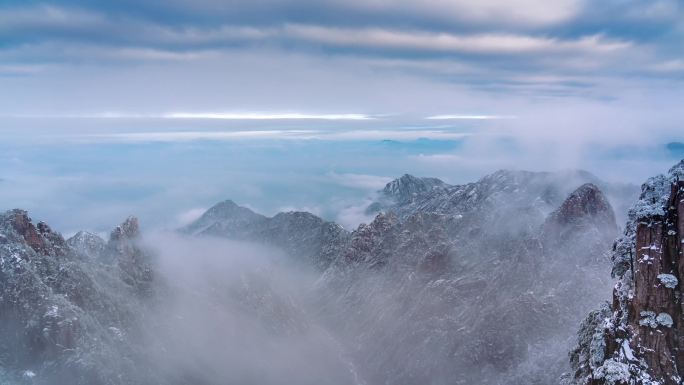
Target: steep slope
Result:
[[407, 188], [433, 297], [127, 316], [543, 191], [478, 283], [63, 315], [226, 218], [88, 244], [304, 236], [639, 338]]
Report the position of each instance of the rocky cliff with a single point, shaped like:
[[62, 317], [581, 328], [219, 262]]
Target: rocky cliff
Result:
[[63, 314], [639, 338]]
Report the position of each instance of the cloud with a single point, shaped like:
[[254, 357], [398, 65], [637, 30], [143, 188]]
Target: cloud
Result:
[[360, 181], [453, 43], [525, 13], [350, 217], [188, 216], [260, 134], [205, 116], [265, 116], [331, 59], [184, 136], [675, 65], [469, 117]]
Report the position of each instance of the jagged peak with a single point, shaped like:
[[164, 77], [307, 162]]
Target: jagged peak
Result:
[[677, 171], [586, 206], [83, 234], [39, 237], [655, 193], [225, 210], [586, 200], [21, 224], [129, 229], [90, 244], [408, 186]]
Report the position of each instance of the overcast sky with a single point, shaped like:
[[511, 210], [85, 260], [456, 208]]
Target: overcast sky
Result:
[[493, 83], [376, 57]]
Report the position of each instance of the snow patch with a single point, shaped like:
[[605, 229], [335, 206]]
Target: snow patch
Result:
[[668, 280], [665, 320], [613, 372]]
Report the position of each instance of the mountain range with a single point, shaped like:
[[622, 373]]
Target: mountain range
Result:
[[481, 283]]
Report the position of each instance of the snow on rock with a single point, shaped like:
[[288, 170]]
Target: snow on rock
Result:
[[664, 319], [645, 334], [613, 372], [669, 280], [89, 244], [648, 318]]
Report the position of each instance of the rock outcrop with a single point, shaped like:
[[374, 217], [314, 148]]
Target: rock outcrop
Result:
[[639, 339], [408, 187], [62, 315], [88, 244]]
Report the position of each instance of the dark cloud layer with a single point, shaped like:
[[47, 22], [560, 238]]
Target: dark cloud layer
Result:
[[567, 37]]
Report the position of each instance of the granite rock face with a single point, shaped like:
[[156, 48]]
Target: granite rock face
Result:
[[639, 339], [63, 315]]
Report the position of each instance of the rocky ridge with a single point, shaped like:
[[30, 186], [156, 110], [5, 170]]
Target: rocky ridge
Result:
[[71, 316], [476, 283], [304, 236], [638, 339]]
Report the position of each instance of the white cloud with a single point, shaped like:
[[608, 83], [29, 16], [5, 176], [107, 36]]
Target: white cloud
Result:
[[331, 135], [491, 43], [265, 116], [524, 13], [204, 116], [183, 136], [188, 216], [47, 17], [360, 181], [469, 117], [351, 216], [394, 135], [676, 65]]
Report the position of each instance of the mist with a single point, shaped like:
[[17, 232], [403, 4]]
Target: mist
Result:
[[237, 313]]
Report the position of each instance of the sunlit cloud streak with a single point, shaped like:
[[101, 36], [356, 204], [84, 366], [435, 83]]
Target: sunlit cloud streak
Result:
[[470, 117], [204, 115], [329, 135]]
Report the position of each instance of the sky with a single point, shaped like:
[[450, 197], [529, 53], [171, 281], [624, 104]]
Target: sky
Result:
[[162, 108]]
